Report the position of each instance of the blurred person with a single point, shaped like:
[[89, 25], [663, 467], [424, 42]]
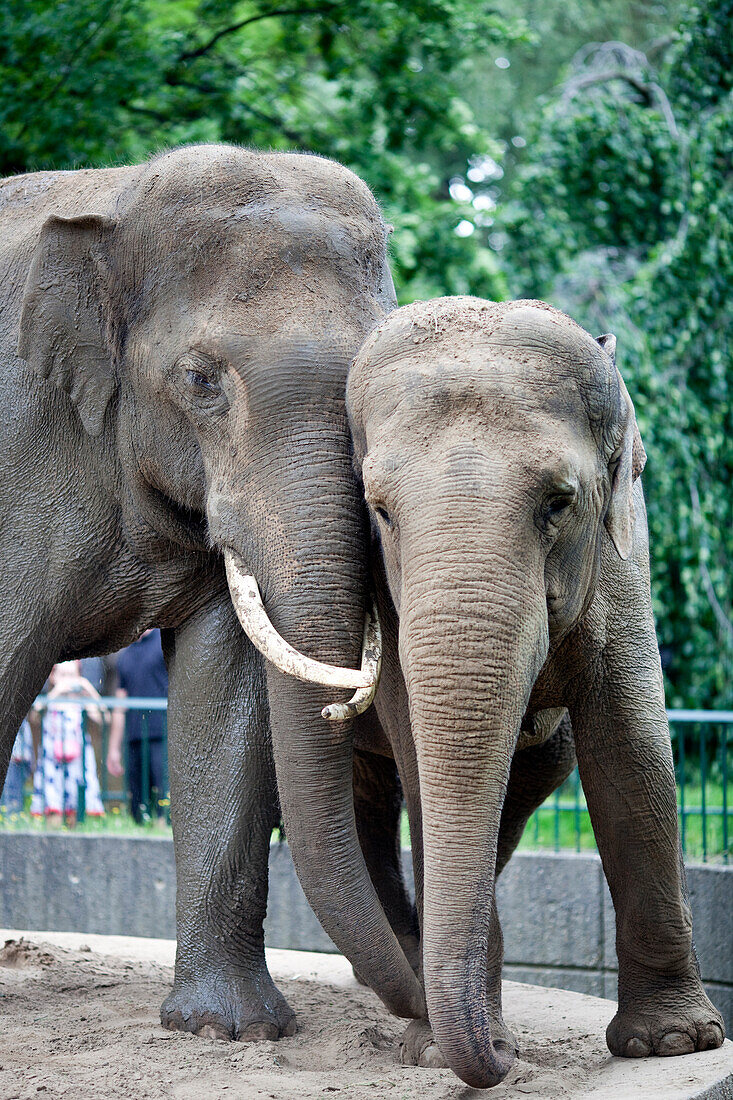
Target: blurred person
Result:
[[142, 674], [66, 756], [19, 770], [93, 669]]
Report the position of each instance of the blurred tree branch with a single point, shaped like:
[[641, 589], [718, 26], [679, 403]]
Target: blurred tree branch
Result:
[[67, 68], [190, 55]]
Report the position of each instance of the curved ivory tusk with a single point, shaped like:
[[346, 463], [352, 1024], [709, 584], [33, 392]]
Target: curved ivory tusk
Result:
[[371, 663], [256, 624]]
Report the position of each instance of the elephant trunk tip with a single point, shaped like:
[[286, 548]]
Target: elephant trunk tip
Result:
[[471, 1034], [494, 1065]]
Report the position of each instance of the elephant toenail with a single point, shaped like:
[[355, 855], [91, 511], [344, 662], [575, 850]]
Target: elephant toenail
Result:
[[674, 1043], [431, 1058], [637, 1048], [290, 1028], [211, 1031], [710, 1036], [258, 1032]]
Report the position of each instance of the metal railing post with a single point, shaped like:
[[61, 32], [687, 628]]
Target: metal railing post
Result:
[[145, 765], [724, 776], [699, 773], [81, 787]]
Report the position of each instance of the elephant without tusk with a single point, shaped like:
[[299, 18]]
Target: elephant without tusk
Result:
[[500, 459]]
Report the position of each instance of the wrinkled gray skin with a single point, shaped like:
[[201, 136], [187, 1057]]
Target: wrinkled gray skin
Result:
[[500, 456], [174, 342]]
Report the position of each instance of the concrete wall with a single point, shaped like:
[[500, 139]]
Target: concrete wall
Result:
[[555, 909]]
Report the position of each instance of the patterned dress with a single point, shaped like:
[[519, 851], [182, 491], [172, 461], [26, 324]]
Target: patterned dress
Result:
[[66, 762]]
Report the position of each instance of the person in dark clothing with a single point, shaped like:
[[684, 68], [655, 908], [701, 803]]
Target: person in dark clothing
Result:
[[142, 675]]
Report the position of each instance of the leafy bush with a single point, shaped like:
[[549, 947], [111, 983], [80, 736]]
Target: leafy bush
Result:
[[375, 84], [622, 214]]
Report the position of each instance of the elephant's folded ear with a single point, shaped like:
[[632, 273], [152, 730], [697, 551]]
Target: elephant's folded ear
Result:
[[628, 465], [638, 457], [65, 322]]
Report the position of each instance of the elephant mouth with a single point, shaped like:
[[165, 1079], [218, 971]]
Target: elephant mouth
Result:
[[257, 626]]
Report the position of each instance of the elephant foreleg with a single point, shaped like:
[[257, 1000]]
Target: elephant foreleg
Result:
[[224, 807], [29, 645], [625, 762], [378, 808], [535, 773]]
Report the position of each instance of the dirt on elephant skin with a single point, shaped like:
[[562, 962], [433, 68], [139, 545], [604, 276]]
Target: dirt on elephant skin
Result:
[[82, 1025]]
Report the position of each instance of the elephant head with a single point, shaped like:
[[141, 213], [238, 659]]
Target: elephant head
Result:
[[497, 446], [201, 321]]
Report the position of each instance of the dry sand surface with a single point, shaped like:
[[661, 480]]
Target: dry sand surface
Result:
[[81, 1023]]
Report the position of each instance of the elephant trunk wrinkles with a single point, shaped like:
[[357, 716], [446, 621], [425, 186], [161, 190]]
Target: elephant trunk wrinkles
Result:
[[471, 662], [322, 606]]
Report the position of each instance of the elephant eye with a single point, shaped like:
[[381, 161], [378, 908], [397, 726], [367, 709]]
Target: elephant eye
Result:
[[200, 381], [197, 377], [383, 515], [558, 502]]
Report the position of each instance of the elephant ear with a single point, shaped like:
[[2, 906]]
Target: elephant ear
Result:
[[628, 462], [65, 332]]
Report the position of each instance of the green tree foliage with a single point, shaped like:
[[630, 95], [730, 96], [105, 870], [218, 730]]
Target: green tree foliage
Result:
[[67, 71], [375, 84], [612, 196], [621, 214]]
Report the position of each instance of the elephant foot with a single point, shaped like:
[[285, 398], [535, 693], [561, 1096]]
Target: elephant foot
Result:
[[247, 1009], [419, 1048], [665, 1016]]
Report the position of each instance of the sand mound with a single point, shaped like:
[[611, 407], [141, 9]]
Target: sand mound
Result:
[[82, 1024]]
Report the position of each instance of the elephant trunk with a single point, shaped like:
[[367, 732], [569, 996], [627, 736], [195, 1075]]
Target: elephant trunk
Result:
[[471, 661], [318, 606]]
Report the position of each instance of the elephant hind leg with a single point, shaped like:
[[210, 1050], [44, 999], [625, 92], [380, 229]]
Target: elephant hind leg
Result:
[[378, 806], [535, 773]]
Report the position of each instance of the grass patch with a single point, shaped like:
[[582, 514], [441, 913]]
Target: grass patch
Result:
[[118, 821], [561, 824]]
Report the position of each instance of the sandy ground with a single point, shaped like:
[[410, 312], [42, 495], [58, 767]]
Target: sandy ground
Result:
[[80, 1019]]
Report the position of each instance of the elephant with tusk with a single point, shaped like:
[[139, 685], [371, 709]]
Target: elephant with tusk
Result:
[[260, 631], [174, 343], [500, 460]]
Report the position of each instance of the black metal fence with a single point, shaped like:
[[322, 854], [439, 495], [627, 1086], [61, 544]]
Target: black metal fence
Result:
[[702, 743]]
